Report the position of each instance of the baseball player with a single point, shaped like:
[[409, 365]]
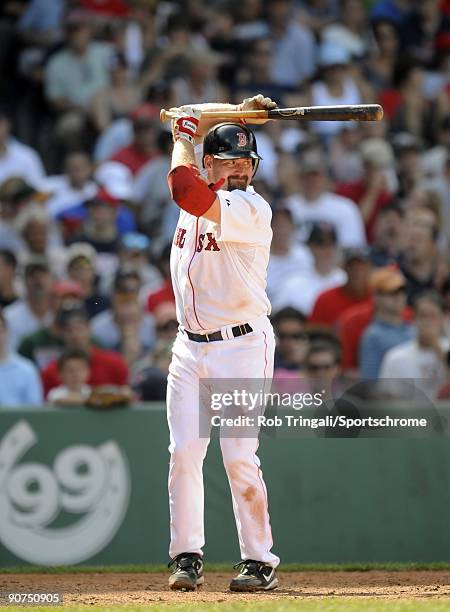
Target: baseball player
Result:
[[219, 259]]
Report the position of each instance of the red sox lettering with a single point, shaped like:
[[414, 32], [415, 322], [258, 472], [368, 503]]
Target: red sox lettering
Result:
[[211, 244], [179, 238]]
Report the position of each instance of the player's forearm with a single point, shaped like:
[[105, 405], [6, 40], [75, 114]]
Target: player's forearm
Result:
[[187, 187], [183, 154]]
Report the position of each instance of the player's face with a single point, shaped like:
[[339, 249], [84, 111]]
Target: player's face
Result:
[[236, 172]]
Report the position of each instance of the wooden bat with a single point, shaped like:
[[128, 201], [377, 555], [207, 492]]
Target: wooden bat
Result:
[[351, 112]]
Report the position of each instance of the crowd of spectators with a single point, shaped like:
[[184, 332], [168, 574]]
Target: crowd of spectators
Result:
[[359, 275]]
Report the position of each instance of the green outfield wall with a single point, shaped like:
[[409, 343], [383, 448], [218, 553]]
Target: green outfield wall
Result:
[[79, 486]]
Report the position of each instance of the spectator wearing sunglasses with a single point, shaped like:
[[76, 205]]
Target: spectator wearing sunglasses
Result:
[[292, 339], [323, 360]]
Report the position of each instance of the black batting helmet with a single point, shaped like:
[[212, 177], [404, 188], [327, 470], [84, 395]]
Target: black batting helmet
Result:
[[231, 141]]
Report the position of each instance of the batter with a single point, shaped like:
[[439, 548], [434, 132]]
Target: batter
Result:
[[219, 261]]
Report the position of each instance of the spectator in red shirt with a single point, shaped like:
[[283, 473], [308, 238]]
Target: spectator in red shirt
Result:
[[374, 190], [331, 304], [351, 326], [145, 143], [106, 367], [108, 8]]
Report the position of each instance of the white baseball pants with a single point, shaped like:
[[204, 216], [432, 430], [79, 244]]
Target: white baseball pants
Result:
[[249, 356]]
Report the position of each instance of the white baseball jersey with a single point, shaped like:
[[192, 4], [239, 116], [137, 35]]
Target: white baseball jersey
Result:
[[219, 279], [219, 271]]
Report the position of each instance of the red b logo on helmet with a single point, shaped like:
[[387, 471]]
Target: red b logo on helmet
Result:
[[242, 139]]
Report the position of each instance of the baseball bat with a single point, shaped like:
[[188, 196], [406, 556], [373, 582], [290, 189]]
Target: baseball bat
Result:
[[342, 112]]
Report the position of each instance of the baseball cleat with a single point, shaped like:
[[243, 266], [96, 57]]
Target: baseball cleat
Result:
[[254, 576], [188, 572]]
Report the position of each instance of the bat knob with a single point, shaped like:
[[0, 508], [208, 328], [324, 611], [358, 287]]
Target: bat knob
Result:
[[379, 113]]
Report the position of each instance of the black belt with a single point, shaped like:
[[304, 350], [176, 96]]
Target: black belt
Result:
[[238, 330]]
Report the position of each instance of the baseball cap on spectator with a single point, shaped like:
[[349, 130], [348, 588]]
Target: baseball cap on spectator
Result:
[[165, 316], [103, 196], [322, 233], [80, 249], [356, 254], [332, 55], [116, 178], [145, 115], [387, 280], [404, 141], [36, 262], [134, 241], [377, 152], [68, 288], [127, 281], [66, 314], [16, 190], [279, 207], [31, 212], [312, 161]]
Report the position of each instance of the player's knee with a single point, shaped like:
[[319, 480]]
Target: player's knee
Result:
[[237, 448], [182, 452], [237, 457]]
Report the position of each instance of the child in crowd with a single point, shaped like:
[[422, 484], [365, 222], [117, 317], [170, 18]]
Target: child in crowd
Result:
[[73, 368]]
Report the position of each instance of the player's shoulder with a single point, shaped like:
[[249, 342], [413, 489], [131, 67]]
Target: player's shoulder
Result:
[[249, 197]]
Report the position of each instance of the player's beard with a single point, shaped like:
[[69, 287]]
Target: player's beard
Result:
[[237, 182]]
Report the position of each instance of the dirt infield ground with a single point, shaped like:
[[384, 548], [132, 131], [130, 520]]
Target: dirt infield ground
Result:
[[140, 588]]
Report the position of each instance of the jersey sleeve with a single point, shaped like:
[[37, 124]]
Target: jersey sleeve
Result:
[[244, 217]]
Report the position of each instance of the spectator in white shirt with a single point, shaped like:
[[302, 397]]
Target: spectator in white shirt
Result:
[[27, 315], [301, 288], [423, 359], [287, 257], [316, 203], [73, 76], [17, 159], [293, 58], [73, 187]]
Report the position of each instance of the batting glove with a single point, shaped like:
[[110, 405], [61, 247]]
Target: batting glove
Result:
[[185, 125]]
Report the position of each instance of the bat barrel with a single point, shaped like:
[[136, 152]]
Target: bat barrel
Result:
[[354, 112]]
